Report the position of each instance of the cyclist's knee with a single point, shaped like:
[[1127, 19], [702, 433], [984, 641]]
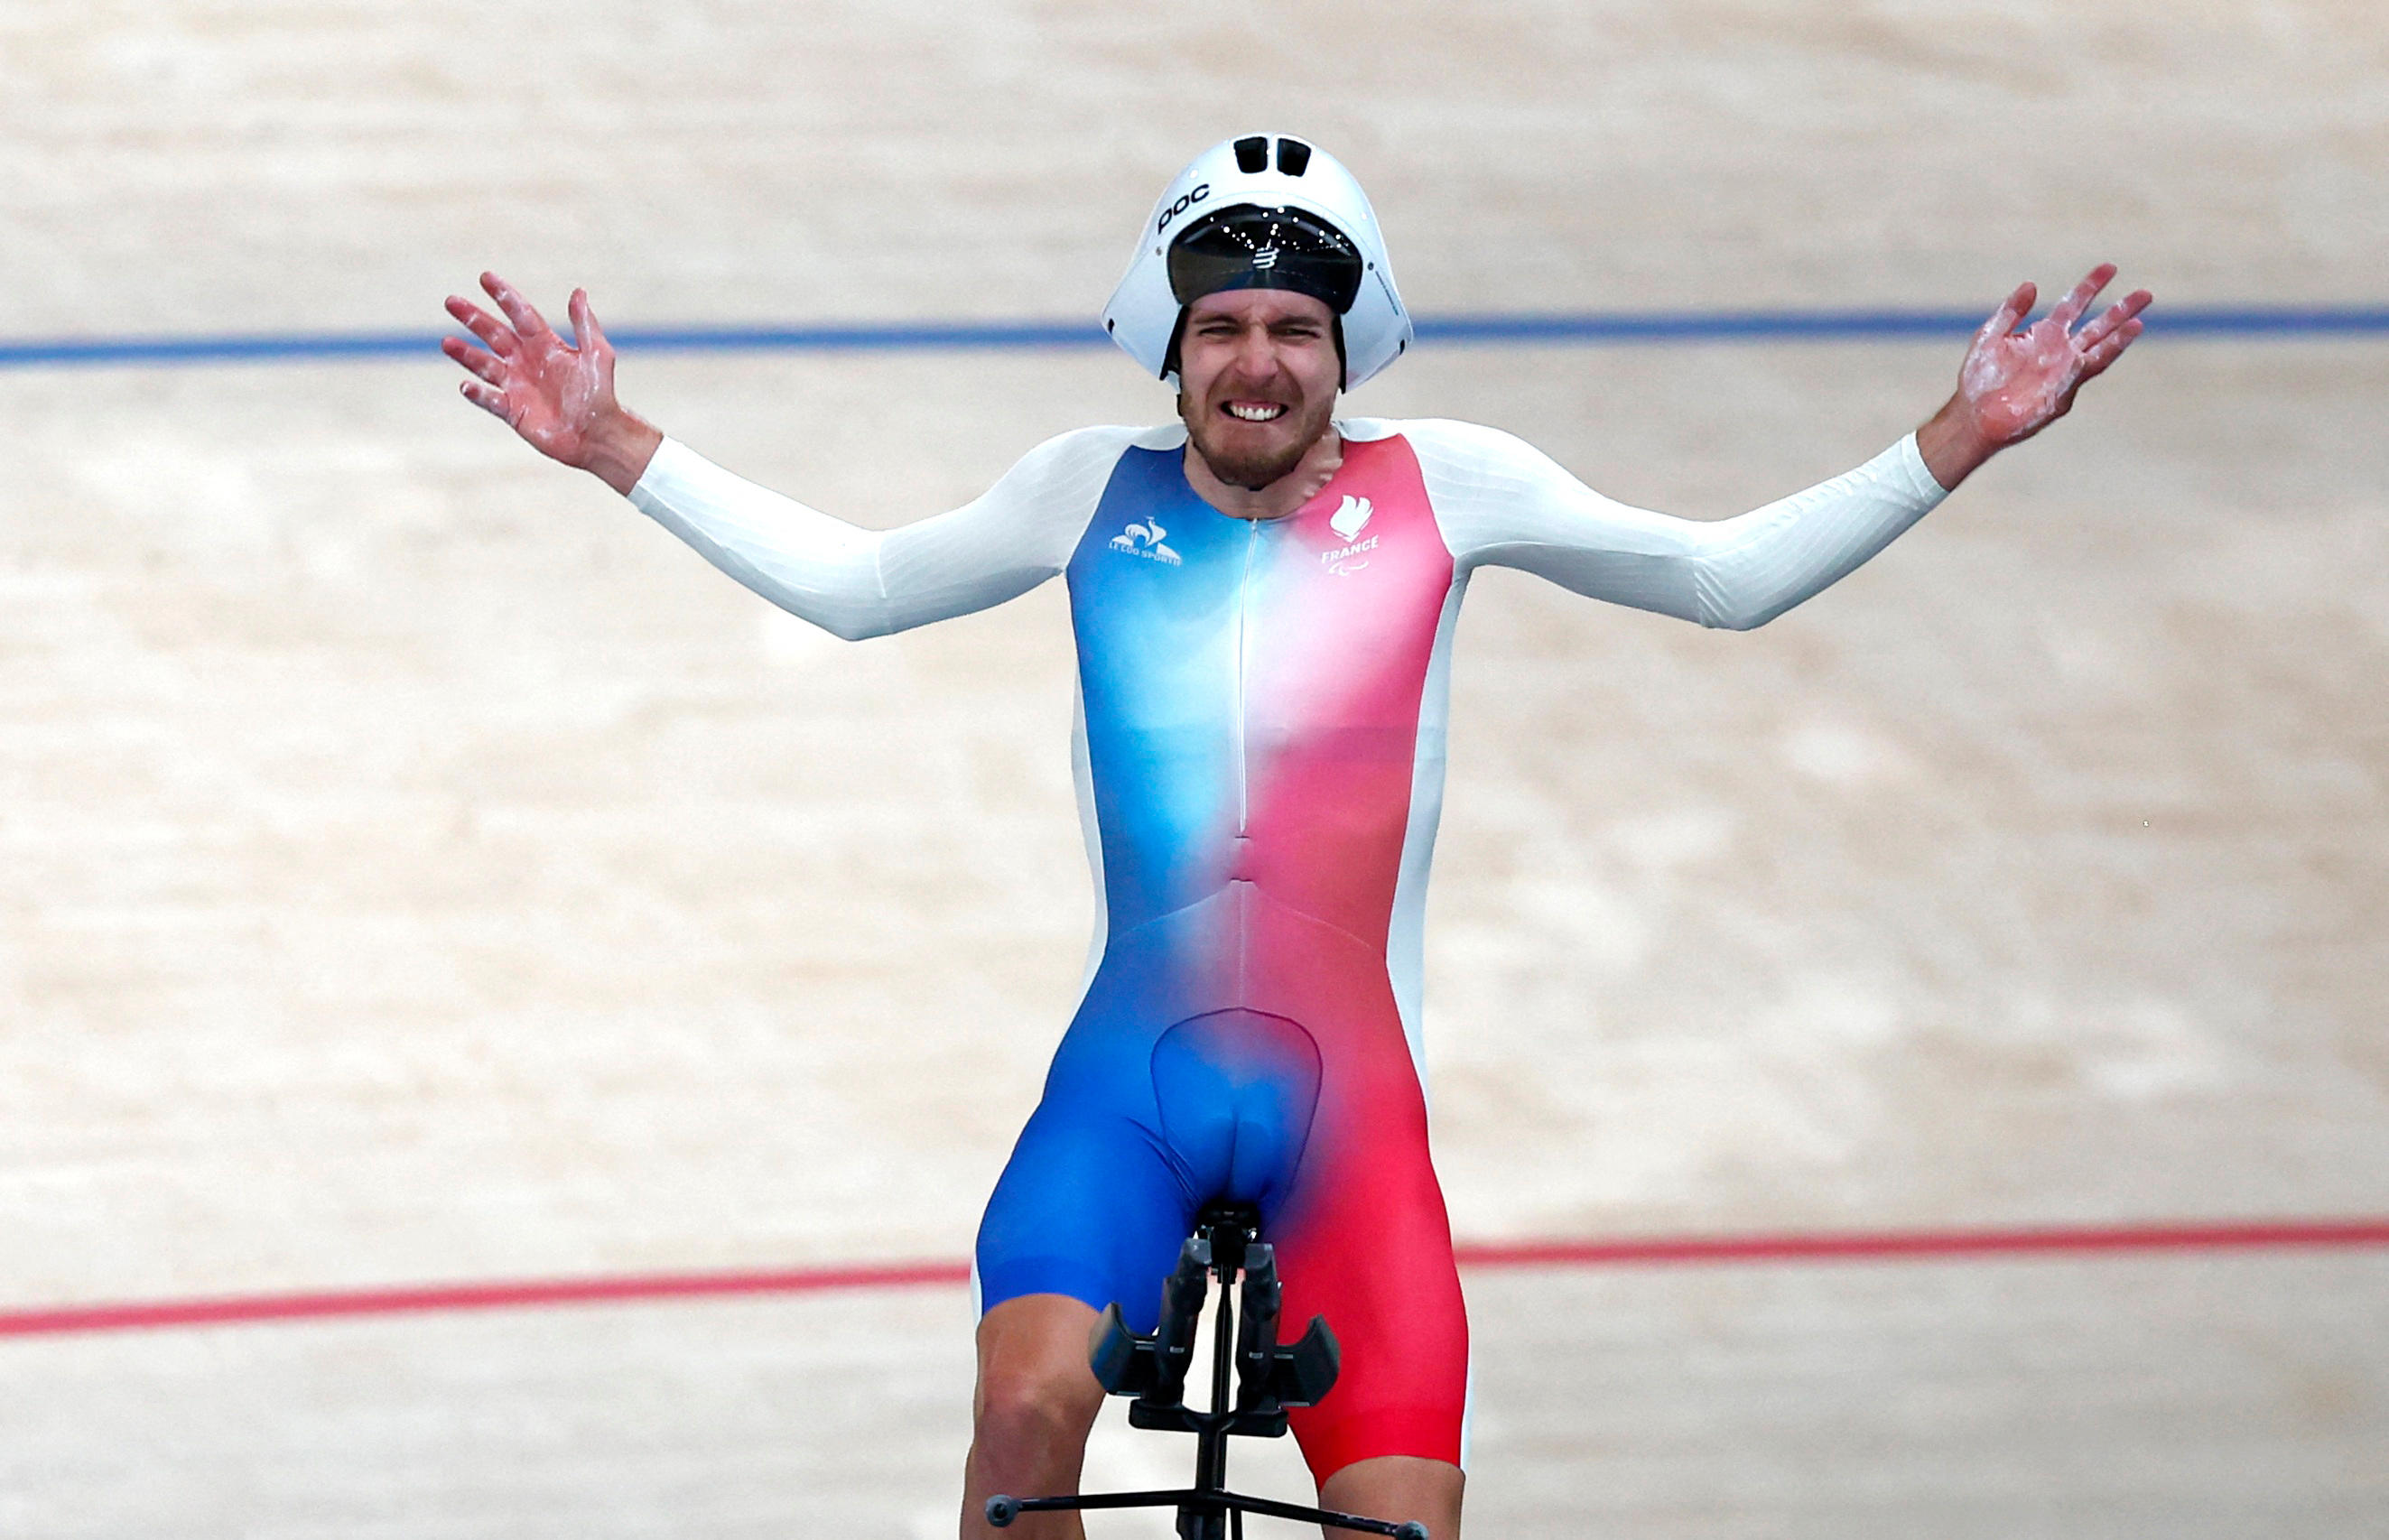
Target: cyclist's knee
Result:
[[1034, 1384], [1028, 1419], [1036, 1407]]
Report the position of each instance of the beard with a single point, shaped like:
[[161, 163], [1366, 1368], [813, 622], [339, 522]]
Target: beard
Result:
[[1262, 458]]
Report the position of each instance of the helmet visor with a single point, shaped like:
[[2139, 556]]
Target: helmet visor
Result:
[[1247, 247]]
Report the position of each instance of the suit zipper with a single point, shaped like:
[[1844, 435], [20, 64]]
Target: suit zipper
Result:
[[1243, 617]]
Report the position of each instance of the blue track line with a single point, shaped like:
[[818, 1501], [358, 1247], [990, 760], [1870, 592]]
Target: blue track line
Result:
[[1595, 328]]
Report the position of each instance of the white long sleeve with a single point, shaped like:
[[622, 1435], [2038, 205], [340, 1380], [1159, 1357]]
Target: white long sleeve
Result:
[[860, 582], [1502, 502]]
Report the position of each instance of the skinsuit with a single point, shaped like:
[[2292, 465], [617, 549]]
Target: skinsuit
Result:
[[1259, 755]]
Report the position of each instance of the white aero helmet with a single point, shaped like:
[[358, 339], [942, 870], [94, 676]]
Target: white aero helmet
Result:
[[1262, 211]]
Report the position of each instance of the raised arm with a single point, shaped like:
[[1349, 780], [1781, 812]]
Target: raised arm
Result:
[[852, 582], [859, 582], [1501, 502]]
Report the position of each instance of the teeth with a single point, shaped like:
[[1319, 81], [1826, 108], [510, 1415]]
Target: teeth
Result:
[[1255, 413]]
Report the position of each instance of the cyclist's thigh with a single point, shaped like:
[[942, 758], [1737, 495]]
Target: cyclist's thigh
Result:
[[1088, 1206], [1367, 1245]]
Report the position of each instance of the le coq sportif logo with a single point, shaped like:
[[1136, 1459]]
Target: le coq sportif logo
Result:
[[1145, 539]]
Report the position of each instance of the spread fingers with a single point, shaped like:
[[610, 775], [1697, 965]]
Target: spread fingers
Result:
[[2072, 307], [2115, 317], [481, 361], [521, 312], [2110, 347], [492, 331], [586, 332], [2010, 310], [488, 398]]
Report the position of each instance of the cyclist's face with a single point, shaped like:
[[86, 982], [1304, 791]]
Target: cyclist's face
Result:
[[1257, 375]]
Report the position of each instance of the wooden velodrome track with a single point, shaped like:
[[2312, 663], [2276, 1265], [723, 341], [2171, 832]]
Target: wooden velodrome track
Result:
[[416, 868]]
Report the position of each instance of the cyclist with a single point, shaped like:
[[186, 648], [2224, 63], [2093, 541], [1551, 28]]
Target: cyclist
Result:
[[1263, 597]]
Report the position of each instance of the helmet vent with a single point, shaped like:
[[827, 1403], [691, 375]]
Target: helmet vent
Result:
[[1252, 154], [1292, 157]]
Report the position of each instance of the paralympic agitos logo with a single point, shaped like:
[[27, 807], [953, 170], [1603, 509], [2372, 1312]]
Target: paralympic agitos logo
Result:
[[1201, 191]]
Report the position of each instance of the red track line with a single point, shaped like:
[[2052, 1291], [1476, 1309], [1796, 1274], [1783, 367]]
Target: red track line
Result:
[[408, 1299], [1898, 1245], [1880, 1247]]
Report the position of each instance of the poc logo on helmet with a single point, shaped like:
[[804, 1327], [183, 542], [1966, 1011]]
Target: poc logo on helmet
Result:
[[1201, 191]]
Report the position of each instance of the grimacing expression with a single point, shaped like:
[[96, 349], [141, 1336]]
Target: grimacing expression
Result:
[[1258, 378]]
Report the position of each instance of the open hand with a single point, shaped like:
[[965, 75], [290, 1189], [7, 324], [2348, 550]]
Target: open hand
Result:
[[2019, 382], [2015, 382], [558, 396]]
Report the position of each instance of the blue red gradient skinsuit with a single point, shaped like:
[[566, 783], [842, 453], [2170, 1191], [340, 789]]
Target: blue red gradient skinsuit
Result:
[[1260, 755], [1252, 718]]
